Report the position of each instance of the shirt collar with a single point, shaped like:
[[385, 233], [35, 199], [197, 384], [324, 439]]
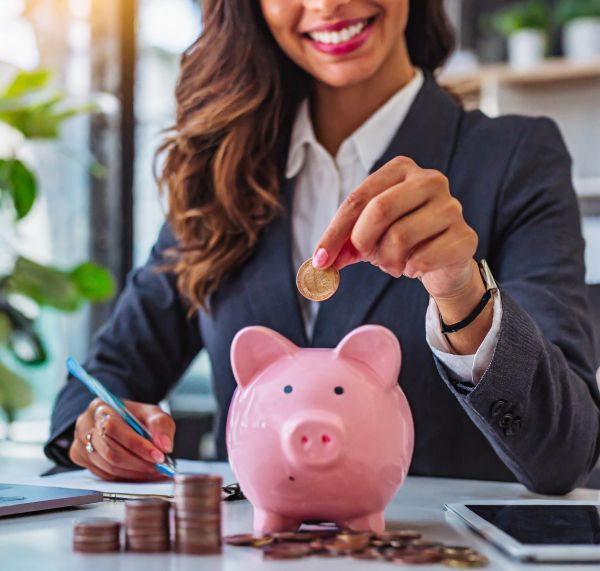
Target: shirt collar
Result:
[[303, 135], [370, 140]]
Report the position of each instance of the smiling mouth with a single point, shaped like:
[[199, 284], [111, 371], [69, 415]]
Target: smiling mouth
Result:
[[342, 36]]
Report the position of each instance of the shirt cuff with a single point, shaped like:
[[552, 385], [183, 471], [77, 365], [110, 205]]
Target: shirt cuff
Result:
[[466, 368]]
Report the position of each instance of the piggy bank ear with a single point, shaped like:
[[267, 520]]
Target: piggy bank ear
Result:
[[254, 349], [376, 347]]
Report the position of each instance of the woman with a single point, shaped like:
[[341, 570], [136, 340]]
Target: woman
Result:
[[315, 127]]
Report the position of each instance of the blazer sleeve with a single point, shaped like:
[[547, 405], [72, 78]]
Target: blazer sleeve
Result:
[[140, 353], [538, 401]]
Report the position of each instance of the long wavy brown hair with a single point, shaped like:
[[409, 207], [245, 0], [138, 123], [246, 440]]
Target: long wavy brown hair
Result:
[[237, 96]]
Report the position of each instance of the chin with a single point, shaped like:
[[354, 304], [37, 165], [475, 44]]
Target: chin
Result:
[[340, 78]]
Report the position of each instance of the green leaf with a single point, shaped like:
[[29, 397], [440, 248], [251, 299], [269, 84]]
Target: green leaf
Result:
[[528, 15], [5, 329], [20, 183], [45, 285], [94, 282], [569, 10], [34, 120], [97, 169], [28, 82], [27, 347], [23, 341], [41, 120], [15, 393]]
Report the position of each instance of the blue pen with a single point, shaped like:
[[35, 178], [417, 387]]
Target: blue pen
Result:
[[169, 467]]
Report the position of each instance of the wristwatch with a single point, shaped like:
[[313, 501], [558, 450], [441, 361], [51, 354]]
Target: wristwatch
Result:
[[490, 288]]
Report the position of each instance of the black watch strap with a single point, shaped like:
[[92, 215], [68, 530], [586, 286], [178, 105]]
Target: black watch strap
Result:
[[470, 318], [490, 288]]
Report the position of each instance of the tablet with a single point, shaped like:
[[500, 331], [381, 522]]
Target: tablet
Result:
[[536, 530]]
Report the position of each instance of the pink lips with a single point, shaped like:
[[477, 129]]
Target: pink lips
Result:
[[345, 47]]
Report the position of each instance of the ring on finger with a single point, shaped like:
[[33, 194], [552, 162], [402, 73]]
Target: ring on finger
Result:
[[99, 410], [102, 425], [88, 447]]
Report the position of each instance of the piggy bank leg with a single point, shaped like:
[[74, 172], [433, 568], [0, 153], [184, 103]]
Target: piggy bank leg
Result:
[[269, 522], [374, 523]]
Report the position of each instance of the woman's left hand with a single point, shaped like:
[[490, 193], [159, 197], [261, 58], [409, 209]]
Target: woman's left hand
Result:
[[404, 220]]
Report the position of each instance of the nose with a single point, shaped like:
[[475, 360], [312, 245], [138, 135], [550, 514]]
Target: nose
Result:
[[313, 442], [326, 6]]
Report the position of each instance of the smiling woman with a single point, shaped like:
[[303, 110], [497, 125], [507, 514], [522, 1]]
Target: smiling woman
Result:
[[314, 132], [236, 107]]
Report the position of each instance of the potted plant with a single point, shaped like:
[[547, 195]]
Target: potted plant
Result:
[[29, 111], [581, 31], [526, 28]]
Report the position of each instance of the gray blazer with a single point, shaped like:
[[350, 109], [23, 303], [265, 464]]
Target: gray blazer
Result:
[[534, 415]]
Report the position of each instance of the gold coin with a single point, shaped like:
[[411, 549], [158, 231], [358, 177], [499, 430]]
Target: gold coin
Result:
[[317, 285], [475, 561]]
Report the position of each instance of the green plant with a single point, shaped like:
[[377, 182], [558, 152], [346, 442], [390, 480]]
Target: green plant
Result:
[[29, 111], [528, 15], [569, 10]]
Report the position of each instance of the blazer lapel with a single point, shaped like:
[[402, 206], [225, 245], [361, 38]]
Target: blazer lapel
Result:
[[428, 136], [270, 280]]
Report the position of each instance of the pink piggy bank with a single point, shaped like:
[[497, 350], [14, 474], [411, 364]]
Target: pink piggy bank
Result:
[[319, 434]]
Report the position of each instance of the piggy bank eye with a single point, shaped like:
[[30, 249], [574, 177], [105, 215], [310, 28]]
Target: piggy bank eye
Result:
[[339, 390], [288, 389]]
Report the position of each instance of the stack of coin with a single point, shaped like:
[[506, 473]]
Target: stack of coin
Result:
[[197, 500], [96, 535], [147, 526]]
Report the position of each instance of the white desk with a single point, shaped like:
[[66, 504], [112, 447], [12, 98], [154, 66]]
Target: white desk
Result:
[[42, 542]]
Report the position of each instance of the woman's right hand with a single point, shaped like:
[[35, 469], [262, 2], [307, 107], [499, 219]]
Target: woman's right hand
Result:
[[119, 453]]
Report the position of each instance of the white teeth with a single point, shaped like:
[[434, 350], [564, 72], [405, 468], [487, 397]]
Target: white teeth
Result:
[[340, 36]]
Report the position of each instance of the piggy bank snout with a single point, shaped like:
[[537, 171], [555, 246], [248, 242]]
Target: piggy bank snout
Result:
[[314, 441]]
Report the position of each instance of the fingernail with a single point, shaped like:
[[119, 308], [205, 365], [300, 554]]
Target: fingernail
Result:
[[320, 258], [158, 456], [165, 443]]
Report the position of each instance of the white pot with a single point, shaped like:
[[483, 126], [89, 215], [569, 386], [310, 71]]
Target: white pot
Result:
[[526, 48], [582, 39]]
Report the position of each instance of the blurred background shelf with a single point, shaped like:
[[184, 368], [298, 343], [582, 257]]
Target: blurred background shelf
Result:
[[567, 91]]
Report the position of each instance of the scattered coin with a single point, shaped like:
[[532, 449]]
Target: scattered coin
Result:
[[400, 547], [262, 541], [368, 554], [349, 542], [454, 550], [240, 540], [406, 534], [286, 551], [469, 561], [302, 537], [317, 285]]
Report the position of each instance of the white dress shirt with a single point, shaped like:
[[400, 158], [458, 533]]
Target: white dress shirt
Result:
[[323, 182]]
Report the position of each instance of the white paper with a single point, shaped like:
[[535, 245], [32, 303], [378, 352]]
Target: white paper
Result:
[[85, 480]]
